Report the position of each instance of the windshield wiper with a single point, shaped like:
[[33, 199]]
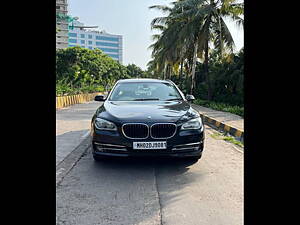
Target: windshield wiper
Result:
[[146, 99]]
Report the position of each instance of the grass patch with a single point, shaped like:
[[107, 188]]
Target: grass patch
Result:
[[216, 136], [230, 139], [233, 141], [234, 109]]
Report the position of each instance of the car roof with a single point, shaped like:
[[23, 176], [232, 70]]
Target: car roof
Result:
[[134, 80]]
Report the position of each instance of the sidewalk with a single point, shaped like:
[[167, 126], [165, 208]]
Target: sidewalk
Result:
[[234, 124], [224, 117], [72, 127]]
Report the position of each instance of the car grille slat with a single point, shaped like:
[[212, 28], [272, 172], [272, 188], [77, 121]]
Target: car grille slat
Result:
[[141, 131], [136, 130], [163, 130]]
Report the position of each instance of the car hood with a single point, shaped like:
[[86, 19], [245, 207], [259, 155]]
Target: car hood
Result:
[[158, 111]]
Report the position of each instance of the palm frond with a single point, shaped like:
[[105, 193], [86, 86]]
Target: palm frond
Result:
[[159, 21], [226, 35], [158, 27], [163, 8]]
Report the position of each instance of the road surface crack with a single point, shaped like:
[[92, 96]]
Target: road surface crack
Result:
[[158, 195]]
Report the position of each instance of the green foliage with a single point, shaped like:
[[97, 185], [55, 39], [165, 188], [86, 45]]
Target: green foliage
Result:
[[135, 71], [189, 31], [63, 88], [193, 30], [227, 78], [81, 70]]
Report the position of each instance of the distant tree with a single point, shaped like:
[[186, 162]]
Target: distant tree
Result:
[[134, 71], [80, 67]]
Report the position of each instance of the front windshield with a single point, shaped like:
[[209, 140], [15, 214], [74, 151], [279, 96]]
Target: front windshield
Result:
[[145, 92]]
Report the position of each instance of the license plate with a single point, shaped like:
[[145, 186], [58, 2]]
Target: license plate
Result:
[[150, 145]]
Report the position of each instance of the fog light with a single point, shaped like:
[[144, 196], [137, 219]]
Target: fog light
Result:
[[184, 149], [187, 147]]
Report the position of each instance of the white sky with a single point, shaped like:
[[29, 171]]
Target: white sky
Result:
[[130, 18]]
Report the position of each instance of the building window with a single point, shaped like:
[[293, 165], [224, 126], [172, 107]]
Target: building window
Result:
[[113, 56], [72, 40], [90, 42], [82, 35], [90, 36], [109, 50], [90, 47], [72, 35], [107, 38], [82, 41], [106, 44]]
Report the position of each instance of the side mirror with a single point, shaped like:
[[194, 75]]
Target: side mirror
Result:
[[99, 98], [190, 98]]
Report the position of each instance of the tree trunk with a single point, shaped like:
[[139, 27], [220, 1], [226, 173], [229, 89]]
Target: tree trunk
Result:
[[180, 74], [167, 71], [194, 68], [206, 72], [188, 74]]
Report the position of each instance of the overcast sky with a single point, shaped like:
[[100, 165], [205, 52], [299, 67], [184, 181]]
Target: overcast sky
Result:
[[131, 19]]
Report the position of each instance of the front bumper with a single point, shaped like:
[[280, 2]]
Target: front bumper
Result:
[[188, 143]]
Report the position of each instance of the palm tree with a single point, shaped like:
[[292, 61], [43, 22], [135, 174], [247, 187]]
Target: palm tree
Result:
[[206, 20], [199, 23], [176, 40], [168, 46]]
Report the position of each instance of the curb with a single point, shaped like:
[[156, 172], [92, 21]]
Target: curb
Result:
[[63, 168], [237, 133], [64, 101]]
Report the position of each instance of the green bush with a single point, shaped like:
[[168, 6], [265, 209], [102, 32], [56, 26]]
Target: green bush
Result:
[[81, 70], [65, 89], [226, 79]]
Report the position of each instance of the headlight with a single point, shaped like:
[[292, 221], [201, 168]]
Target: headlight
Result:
[[102, 124], [193, 124]]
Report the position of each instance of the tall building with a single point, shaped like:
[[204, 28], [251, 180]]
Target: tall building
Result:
[[110, 44], [62, 24]]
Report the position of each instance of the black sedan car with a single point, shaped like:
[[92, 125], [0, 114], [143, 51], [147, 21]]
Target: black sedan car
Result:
[[146, 117]]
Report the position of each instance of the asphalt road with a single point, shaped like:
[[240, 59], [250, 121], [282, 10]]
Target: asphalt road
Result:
[[72, 127], [169, 192]]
